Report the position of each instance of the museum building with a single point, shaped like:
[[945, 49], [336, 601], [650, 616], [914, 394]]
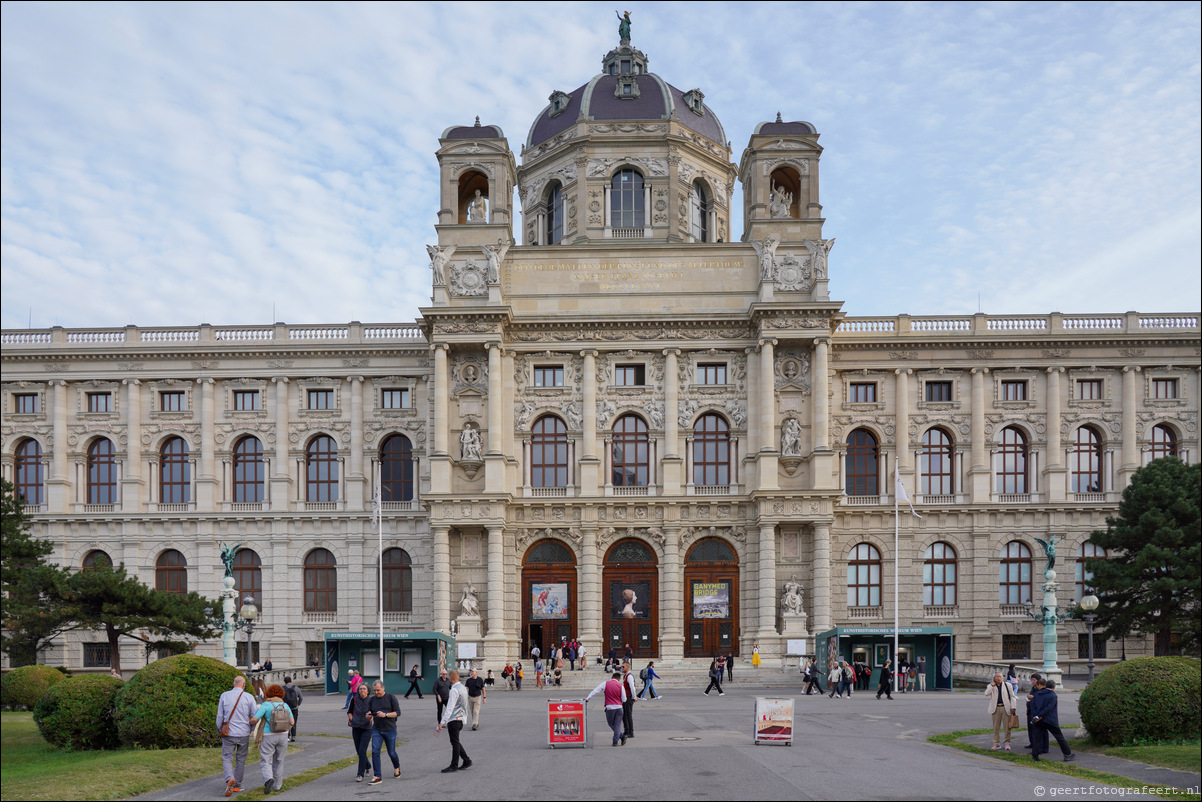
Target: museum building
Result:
[[621, 422]]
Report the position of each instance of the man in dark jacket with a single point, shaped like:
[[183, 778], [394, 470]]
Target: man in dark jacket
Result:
[[1046, 720], [442, 692], [1030, 724], [293, 696], [414, 676]]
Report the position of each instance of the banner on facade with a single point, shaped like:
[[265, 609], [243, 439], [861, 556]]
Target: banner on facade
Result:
[[549, 602], [630, 600], [711, 600]]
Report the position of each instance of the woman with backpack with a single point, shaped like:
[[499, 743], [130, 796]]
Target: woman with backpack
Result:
[[277, 720], [648, 676]]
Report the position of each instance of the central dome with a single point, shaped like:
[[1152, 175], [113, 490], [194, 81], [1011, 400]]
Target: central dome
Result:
[[625, 92]]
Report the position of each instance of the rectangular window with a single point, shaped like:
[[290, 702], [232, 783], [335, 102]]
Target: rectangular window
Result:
[[1164, 388], [394, 399], [25, 403], [1016, 647], [100, 402], [1099, 646], [711, 374], [862, 393], [171, 402], [939, 391], [629, 376], [1089, 389], [548, 375], [97, 655], [1014, 390], [246, 400], [321, 399]]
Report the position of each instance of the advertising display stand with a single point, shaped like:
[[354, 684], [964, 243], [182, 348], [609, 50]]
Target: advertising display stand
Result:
[[773, 721], [566, 722]]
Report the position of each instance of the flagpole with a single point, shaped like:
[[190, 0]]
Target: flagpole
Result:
[[896, 560], [379, 505]]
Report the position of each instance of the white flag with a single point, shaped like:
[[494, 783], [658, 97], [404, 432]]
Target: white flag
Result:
[[902, 496]]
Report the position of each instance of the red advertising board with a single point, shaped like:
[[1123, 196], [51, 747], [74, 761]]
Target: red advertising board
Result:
[[565, 722]]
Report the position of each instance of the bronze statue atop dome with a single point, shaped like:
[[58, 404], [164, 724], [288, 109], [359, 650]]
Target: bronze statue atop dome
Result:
[[624, 27]]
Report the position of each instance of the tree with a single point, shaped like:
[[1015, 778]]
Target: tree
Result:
[[109, 599], [1149, 581], [33, 612]]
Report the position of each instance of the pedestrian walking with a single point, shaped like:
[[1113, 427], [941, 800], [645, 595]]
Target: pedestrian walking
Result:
[[573, 650], [1047, 721], [293, 696], [811, 678], [885, 684], [721, 666], [277, 721], [730, 667], [442, 689], [834, 679], [518, 676], [921, 670], [414, 675], [715, 677], [648, 676], [581, 655], [1035, 677], [383, 711], [360, 724], [535, 652], [1001, 707], [234, 711], [848, 679], [453, 719], [903, 675], [615, 694], [628, 704], [507, 674], [476, 696], [352, 685], [755, 654]]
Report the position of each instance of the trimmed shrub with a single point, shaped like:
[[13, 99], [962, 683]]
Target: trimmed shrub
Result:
[[172, 703], [78, 713], [1144, 700], [22, 687]]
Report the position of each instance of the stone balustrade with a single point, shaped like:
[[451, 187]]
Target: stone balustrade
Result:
[[994, 325], [205, 334]]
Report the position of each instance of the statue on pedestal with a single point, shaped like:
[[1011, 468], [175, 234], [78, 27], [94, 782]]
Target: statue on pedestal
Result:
[[790, 600], [469, 603], [623, 27]]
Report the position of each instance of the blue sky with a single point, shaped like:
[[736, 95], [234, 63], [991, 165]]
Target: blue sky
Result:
[[177, 164]]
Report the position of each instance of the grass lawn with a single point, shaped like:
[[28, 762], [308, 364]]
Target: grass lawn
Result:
[[34, 770], [1182, 757]]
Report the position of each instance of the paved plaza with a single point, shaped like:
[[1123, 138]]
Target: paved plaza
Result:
[[860, 748]]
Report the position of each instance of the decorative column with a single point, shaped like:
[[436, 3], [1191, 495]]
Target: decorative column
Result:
[[820, 380], [280, 474], [441, 597], [768, 452], [589, 602], [495, 640], [441, 391], [494, 455], [672, 462], [132, 476], [206, 483], [672, 600], [590, 465], [355, 480], [1053, 485], [1130, 453], [767, 588], [821, 592], [979, 472]]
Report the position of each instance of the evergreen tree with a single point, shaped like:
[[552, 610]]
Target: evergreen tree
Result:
[[1149, 581]]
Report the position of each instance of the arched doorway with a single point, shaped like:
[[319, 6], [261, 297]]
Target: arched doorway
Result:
[[548, 596], [711, 581], [630, 593]]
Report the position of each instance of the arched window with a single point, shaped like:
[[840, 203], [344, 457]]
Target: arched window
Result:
[[863, 468], [321, 582], [939, 575], [1014, 576], [248, 471], [1012, 472], [548, 552], [248, 577], [936, 464], [175, 472], [102, 472], [398, 581], [97, 560], [1086, 461], [1164, 442], [711, 550], [711, 451], [631, 460], [555, 213], [321, 466], [626, 200], [1088, 551], [699, 213], [171, 572], [396, 469], [29, 472], [864, 577], [549, 453]]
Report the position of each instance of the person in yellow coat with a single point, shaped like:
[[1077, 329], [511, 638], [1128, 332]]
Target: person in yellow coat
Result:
[[755, 654]]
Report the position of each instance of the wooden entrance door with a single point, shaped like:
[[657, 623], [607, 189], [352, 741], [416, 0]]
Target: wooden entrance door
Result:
[[630, 590], [711, 580], [548, 597]]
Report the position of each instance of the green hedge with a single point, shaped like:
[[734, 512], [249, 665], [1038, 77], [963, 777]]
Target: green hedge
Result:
[[78, 713], [1145, 700], [172, 703], [22, 687]]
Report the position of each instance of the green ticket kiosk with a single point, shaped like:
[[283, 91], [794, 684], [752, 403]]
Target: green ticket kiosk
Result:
[[431, 652], [874, 645]]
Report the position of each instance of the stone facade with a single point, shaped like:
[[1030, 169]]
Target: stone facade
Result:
[[622, 327]]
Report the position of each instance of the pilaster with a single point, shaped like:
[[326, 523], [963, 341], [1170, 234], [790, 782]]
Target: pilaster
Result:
[[207, 483], [821, 591], [1130, 452], [978, 473]]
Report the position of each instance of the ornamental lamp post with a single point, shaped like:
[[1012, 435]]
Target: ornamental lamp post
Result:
[[249, 613], [1090, 603]]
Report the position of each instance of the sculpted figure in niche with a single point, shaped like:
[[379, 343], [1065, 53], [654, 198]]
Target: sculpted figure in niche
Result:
[[818, 251], [572, 413], [766, 250], [470, 374], [477, 209], [790, 438], [469, 443], [790, 601], [470, 603], [494, 255], [780, 202], [438, 262]]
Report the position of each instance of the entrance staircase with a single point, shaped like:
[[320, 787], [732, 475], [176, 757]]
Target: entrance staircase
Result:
[[691, 674]]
